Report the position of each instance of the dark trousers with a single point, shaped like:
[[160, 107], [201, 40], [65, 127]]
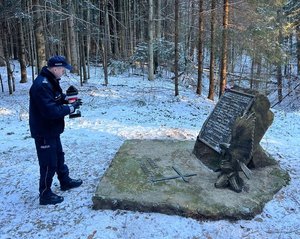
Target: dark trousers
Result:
[[51, 161]]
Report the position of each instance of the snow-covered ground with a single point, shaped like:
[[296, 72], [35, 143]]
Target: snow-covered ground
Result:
[[130, 107]]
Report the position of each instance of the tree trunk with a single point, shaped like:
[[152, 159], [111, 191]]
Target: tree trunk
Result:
[[39, 36], [258, 74], [157, 36], [192, 33], [67, 39], [158, 21], [279, 67], [6, 57], [107, 30], [130, 28], [122, 31], [116, 49], [211, 90], [298, 48], [150, 43], [224, 48], [1, 83], [200, 48], [252, 72], [31, 46], [187, 30], [22, 57], [176, 46], [82, 60], [2, 61], [105, 43], [279, 82], [72, 38], [13, 53], [80, 68], [88, 43]]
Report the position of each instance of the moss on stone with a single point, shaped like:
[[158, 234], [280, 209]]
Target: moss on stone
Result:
[[127, 183]]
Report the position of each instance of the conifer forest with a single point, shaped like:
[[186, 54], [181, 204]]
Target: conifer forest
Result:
[[251, 43]]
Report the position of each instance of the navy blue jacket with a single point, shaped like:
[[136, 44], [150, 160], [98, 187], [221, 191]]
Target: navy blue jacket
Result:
[[47, 106]]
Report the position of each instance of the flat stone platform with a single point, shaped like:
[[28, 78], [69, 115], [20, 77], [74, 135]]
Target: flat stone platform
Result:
[[165, 176]]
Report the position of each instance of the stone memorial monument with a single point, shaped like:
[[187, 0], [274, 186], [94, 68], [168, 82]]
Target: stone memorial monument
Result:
[[229, 139], [179, 177]]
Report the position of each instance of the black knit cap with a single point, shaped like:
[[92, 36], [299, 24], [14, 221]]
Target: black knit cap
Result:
[[56, 61]]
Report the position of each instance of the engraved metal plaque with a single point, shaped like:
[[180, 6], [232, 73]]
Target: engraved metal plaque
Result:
[[217, 127]]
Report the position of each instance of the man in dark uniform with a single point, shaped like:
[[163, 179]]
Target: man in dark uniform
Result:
[[47, 108]]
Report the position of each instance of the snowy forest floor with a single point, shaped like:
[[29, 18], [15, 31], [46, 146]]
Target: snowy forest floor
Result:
[[130, 107]]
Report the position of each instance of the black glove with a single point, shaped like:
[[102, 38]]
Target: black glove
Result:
[[76, 104]]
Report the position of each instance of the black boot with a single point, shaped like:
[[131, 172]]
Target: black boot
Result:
[[71, 183], [50, 198]]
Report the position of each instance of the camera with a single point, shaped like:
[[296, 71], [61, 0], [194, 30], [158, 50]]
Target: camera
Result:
[[72, 96]]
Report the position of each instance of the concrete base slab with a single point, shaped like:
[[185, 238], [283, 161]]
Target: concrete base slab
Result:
[[159, 176]]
